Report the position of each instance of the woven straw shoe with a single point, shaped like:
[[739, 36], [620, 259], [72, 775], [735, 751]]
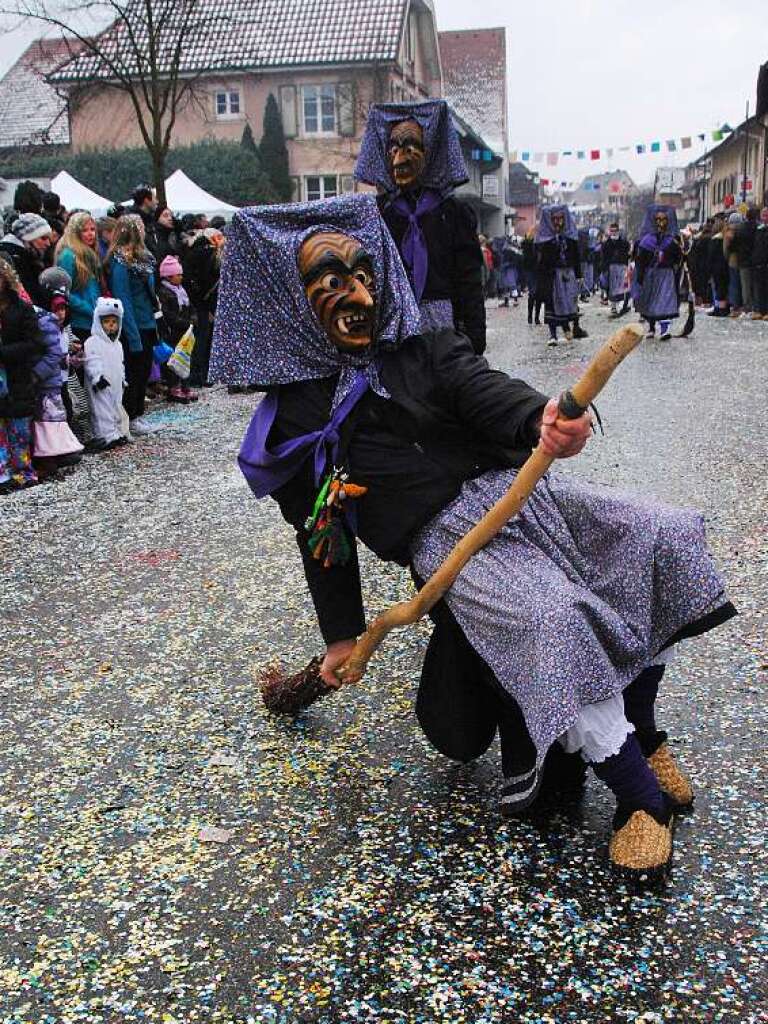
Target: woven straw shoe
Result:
[[672, 780], [642, 847]]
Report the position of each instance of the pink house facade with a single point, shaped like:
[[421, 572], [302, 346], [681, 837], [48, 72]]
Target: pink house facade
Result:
[[325, 64]]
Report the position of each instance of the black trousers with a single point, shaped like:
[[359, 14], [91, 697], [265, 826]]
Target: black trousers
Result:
[[138, 366]]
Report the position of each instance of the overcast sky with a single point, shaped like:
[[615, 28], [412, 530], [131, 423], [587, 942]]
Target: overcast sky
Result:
[[596, 73]]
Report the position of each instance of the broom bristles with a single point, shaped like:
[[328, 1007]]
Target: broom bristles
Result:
[[288, 695]]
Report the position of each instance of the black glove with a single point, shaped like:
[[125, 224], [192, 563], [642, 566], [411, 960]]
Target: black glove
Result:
[[100, 384]]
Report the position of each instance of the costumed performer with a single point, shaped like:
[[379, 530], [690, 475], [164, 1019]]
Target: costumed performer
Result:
[[411, 153], [657, 266], [569, 608], [558, 271], [615, 260]]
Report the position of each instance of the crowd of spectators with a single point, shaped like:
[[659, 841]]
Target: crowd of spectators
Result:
[[92, 310]]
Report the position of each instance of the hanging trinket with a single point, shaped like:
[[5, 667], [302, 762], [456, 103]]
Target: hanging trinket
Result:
[[328, 537]]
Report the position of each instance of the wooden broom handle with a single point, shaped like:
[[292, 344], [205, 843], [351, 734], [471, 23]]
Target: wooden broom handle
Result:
[[584, 392]]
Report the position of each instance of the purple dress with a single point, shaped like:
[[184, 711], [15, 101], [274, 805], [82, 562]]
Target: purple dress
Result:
[[577, 595]]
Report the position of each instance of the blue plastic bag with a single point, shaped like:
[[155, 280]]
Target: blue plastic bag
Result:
[[162, 352]]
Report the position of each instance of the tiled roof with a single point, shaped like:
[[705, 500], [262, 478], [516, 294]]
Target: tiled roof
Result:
[[475, 80], [30, 111], [245, 34]]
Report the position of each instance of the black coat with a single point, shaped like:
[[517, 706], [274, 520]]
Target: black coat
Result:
[[455, 262], [450, 418], [202, 269], [176, 318], [28, 265], [150, 228], [168, 243], [547, 261], [718, 266], [760, 247], [21, 346], [615, 250]]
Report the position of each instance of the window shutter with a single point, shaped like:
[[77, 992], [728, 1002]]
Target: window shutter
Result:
[[288, 111], [345, 105], [347, 183], [295, 189]]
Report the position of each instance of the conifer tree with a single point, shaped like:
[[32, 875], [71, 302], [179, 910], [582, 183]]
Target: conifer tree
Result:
[[274, 152]]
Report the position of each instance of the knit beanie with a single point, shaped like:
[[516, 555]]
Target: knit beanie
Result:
[[30, 226], [170, 266]]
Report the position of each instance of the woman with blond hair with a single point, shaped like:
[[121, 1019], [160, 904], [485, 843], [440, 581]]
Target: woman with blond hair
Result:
[[77, 254], [130, 269]]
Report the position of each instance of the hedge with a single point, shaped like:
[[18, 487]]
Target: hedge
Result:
[[226, 169]]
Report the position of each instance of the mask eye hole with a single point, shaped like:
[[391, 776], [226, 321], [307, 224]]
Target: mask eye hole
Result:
[[331, 282], [364, 278]]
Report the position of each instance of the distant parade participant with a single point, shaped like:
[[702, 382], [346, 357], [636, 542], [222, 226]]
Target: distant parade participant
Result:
[[558, 272], [615, 260], [411, 153], [595, 257], [657, 266], [529, 275], [510, 262]]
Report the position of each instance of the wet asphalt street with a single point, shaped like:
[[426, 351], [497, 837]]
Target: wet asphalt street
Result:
[[170, 853]]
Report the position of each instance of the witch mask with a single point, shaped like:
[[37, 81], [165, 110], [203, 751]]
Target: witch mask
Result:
[[407, 157], [661, 220], [558, 223], [337, 274]]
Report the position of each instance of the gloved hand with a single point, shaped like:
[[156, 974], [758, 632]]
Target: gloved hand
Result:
[[100, 384]]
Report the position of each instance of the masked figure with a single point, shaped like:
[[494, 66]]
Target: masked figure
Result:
[[615, 261], [558, 271], [411, 153], [552, 632], [657, 265]]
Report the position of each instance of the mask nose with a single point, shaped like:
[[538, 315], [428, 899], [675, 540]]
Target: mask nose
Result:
[[361, 295]]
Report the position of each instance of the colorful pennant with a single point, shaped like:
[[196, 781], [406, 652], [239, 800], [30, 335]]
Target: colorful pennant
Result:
[[552, 157]]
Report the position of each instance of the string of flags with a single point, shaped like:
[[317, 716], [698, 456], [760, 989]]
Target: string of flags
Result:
[[553, 157]]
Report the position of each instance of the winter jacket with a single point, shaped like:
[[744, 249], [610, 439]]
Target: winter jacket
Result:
[[168, 243], [27, 264], [150, 227], [136, 291], [455, 262], [47, 370], [176, 318], [202, 268], [743, 243], [21, 347], [82, 298], [450, 419], [104, 358], [760, 248]]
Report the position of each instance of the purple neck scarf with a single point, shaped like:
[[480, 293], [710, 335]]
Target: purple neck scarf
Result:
[[414, 246], [267, 470], [178, 290]]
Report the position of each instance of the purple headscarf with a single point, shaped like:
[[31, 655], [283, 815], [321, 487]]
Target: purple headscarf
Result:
[[545, 232], [267, 334], [444, 169], [649, 228]]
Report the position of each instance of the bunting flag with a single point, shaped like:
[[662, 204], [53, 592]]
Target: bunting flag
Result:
[[552, 157]]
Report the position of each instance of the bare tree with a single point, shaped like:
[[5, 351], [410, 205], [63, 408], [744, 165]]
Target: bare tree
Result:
[[147, 49]]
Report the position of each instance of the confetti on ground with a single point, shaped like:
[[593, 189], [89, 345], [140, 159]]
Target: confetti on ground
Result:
[[363, 878]]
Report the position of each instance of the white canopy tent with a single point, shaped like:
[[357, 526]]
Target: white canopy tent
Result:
[[184, 196], [75, 196]]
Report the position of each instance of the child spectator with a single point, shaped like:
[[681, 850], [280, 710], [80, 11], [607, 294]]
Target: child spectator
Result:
[[54, 446], [105, 375], [20, 348], [177, 315]]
